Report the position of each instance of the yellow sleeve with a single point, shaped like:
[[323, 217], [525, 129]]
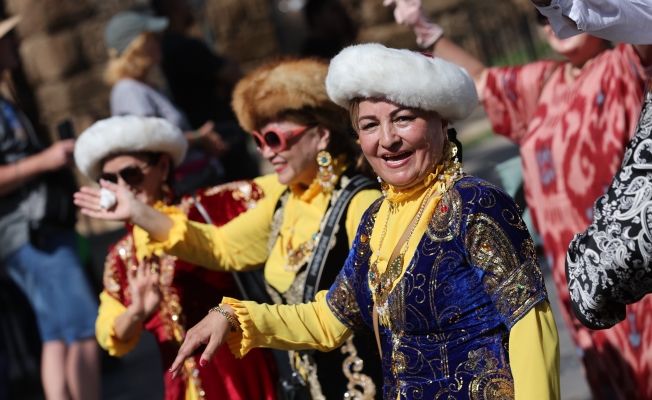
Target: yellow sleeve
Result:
[[239, 245], [357, 207], [534, 355], [110, 310], [286, 327]]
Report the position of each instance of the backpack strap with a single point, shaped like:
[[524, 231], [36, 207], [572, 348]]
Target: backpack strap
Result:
[[333, 217]]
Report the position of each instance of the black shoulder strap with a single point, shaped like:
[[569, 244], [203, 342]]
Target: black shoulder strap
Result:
[[319, 255], [209, 220]]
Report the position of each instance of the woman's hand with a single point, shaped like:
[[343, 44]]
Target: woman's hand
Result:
[[88, 199], [145, 299], [144, 287], [410, 13], [126, 208], [207, 139], [211, 331], [59, 155]]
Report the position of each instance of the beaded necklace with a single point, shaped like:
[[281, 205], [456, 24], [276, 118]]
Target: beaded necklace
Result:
[[381, 283]]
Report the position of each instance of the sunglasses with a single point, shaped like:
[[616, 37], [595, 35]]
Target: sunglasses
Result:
[[276, 139], [133, 176]]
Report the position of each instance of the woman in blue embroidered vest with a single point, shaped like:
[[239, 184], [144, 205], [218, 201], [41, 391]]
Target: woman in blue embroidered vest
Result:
[[442, 268]]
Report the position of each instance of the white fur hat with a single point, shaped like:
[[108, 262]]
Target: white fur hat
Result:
[[127, 134], [403, 77]]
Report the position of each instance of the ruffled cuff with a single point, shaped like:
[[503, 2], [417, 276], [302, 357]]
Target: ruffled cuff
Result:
[[145, 246], [240, 342]]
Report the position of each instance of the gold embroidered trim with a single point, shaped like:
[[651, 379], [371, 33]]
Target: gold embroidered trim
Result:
[[444, 225], [241, 190]]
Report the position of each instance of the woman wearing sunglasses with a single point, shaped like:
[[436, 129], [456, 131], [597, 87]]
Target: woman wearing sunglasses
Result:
[[165, 295], [301, 232]]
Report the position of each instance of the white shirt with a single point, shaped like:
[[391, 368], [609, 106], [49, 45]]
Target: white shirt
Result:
[[626, 21]]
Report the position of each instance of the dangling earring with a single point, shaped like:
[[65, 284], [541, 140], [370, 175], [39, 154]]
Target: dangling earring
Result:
[[325, 175], [383, 185], [452, 165]]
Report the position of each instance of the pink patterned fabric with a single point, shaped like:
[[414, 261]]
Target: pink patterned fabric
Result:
[[572, 137]]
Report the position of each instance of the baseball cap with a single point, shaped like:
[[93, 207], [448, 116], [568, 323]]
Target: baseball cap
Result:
[[124, 27], [8, 24]]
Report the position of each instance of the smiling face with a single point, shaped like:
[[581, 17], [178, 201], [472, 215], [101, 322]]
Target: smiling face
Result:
[[403, 145], [297, 163], [154, 175]]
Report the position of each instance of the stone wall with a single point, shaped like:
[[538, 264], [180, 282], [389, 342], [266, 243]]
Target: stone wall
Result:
[[63, 55]]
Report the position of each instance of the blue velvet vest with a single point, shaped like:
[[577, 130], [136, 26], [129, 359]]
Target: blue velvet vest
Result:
[[472, 277]]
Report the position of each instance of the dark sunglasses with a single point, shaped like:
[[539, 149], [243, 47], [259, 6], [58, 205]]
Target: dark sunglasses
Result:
[[276, 139], [133, 176]]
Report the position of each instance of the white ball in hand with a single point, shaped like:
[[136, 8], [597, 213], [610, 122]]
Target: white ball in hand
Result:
[[107, 199]]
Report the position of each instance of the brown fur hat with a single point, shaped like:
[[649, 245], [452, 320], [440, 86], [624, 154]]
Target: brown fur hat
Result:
[[280, 86]]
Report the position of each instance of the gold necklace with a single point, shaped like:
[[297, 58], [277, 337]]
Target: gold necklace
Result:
[[296, 258], [382, 283]]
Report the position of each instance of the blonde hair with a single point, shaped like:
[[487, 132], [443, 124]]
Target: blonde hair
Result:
[[132, 63]]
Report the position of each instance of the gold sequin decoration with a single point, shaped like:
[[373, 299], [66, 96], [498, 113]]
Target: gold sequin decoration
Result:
[[446, 219], [342, 302], [511, 283]]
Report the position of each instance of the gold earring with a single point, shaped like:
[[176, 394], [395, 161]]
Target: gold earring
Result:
[[325, 174], [452, 165]]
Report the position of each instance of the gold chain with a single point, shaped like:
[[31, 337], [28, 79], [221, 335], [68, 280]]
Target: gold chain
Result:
[[382, 283]]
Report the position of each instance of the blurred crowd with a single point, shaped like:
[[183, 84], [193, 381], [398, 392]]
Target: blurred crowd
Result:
[[185, 138]]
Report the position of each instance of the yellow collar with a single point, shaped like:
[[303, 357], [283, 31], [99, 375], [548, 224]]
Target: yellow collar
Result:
[[339, 166], [415, 191]]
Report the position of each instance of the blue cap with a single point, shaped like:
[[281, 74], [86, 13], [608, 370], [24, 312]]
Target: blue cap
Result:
[[126, 26]]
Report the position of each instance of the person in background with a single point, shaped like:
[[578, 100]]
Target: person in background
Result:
[[39, 246], [133, 42], [330, 29], [166, 296], [608, 265], [572, 120], [201, 83]]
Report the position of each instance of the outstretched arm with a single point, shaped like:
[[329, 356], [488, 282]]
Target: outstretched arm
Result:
[[286, 327], [449, 51], [13, 176], [430, 36], [127, 208]]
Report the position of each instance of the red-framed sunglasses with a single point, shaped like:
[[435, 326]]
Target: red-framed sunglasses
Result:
[[276, 139]]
